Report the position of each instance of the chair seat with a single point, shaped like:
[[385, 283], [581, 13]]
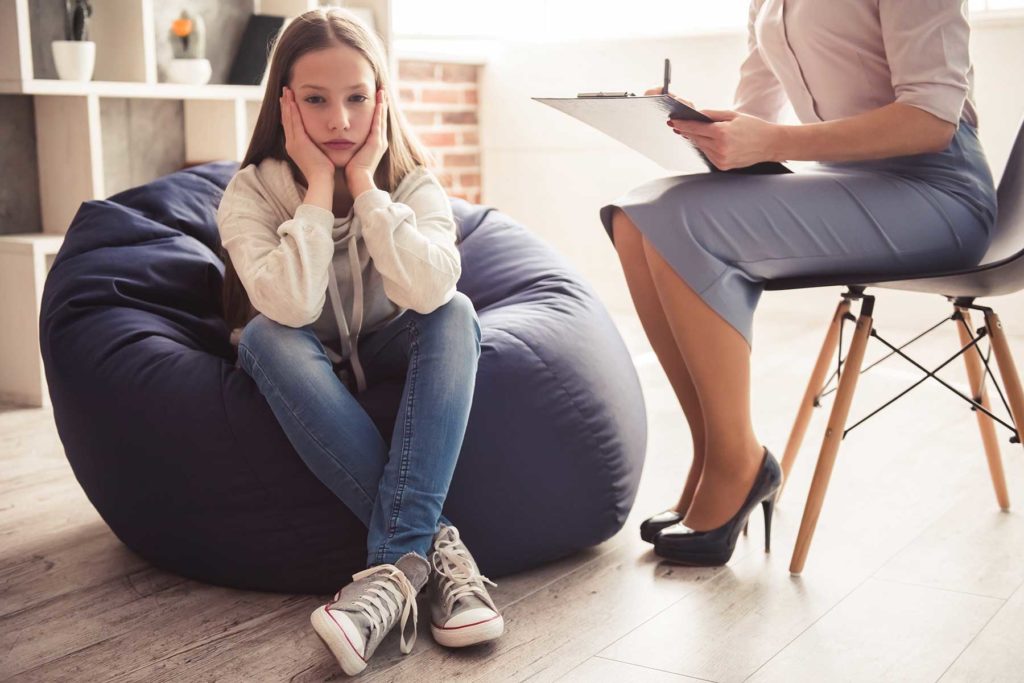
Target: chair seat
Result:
[[991, 279], [1002, 267]]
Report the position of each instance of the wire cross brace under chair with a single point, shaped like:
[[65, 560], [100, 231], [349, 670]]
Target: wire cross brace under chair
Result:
[[975, 403]]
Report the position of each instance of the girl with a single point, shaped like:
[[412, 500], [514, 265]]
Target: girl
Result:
[[332, 203], [883, 93]]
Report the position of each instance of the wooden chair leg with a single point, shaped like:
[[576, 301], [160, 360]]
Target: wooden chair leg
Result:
[[976, 377], [814, 385], [1007, 370], [833, 435]]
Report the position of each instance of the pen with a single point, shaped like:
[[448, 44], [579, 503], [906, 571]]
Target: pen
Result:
[[668, 76]]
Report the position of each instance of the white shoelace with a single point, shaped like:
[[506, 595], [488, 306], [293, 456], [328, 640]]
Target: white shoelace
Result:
[[452, 560], [382, 599]]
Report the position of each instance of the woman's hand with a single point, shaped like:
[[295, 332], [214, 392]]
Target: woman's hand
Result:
[[314, 164], [734, 140], [363, 164]]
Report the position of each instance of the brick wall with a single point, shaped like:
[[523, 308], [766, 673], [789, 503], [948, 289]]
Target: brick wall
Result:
[[440, 102]]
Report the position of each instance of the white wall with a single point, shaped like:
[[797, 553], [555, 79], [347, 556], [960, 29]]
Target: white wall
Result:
[[553, 173]]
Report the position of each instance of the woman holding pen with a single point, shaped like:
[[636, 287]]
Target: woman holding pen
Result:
[[882, 91]]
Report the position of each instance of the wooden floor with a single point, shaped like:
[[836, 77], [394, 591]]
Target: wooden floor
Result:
[[914, 574]]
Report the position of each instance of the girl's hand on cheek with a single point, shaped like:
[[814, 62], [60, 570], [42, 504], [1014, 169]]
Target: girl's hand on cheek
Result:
[[311, 160], [363, 164]]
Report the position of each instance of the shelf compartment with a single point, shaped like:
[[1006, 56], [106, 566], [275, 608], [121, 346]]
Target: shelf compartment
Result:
[[123, 33], [25, 261], [69, 146], [215, 130]]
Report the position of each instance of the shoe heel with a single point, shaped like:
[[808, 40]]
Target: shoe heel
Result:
[[768, 506], [714, 547]]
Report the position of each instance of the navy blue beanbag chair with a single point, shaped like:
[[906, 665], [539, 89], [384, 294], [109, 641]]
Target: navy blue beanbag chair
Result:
[[180, 454]]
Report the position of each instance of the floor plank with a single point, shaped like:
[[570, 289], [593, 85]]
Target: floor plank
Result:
[[973, 548], [58, 564], [995, 656], [883, 631], [599, 670]]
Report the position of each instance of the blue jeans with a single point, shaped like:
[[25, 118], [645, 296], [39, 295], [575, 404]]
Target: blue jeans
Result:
[[397, 492]]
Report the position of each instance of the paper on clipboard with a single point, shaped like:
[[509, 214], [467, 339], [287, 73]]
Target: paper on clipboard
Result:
[[639, 122]]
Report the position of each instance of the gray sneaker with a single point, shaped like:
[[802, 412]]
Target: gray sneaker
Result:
[[357, 618], [461, 611]]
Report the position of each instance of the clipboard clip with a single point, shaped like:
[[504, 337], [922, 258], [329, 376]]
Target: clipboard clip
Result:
[[606, 94], [667, 78]]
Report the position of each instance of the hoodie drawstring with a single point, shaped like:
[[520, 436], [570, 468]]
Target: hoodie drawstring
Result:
[[350, 338], [357, 310]]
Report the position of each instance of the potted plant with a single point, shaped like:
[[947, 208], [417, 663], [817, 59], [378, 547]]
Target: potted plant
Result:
[[188, 41], [75, 57]]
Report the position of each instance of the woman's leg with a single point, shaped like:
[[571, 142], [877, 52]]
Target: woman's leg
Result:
[[727, 235], [718, 358], [438, 354], [330, 430], [629, 243]]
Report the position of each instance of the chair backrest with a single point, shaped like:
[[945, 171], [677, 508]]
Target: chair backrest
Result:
[[1008, 235]]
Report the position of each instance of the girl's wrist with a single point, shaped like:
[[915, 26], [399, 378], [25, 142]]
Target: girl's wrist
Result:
[[320, 192], [359, 181], [323, 180]]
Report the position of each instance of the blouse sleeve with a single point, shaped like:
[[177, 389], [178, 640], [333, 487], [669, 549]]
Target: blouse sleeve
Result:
[[759, 92], [926, 44]]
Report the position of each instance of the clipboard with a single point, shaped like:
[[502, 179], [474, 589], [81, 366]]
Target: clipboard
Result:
[[639, 122]]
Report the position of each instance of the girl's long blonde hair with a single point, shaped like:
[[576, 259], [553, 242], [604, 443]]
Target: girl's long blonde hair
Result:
[[318, 29]]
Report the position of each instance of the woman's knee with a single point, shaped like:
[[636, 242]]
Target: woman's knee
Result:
[[624, 231], [629, 242]]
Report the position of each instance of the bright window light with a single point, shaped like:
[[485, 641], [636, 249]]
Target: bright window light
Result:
[[556, 20], [553, 20], [995, 5]]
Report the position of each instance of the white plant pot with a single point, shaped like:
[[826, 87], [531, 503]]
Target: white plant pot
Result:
[[189, 71], [75, 59]]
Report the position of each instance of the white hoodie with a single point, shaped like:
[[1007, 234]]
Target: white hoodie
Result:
[[392, 252]]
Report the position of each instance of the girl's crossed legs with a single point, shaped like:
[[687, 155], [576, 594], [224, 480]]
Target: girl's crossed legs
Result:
[[398, 492]]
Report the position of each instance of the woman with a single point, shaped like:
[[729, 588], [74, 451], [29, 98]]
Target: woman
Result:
[[333, 203], [883, 93]]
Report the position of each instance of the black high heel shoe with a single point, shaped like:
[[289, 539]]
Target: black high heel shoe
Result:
[[681, 544], [650, 527]]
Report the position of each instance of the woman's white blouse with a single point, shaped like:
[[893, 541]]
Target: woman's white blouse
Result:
[[837, 58]]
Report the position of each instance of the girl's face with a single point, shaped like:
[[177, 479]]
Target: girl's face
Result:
[[336, 94]]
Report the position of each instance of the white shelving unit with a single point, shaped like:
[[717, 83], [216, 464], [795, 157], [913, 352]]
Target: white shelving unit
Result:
[[218, 121], [165, 91], [24, 263]]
